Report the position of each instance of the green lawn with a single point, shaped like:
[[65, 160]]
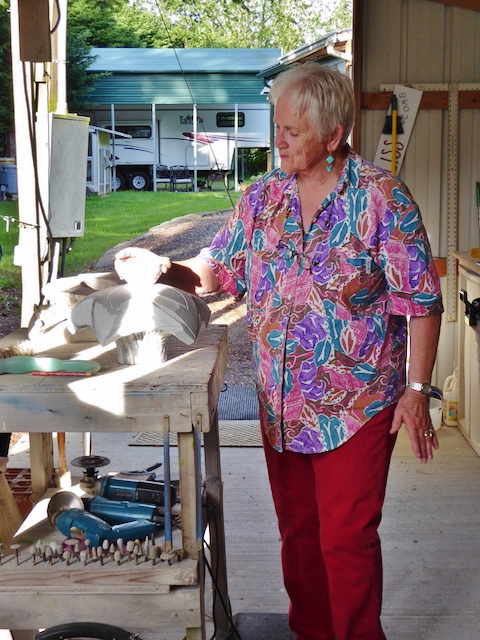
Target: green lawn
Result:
[[110, 220]]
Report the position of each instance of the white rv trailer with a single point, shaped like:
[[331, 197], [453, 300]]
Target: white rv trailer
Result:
[[204, 138]]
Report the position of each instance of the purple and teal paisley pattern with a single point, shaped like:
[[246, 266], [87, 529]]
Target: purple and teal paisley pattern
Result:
[[326, 309]]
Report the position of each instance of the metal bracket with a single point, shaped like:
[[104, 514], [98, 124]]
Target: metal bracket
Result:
[[472, 309]]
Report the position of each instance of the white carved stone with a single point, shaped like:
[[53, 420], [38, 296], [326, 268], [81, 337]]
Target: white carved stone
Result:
[[144, 348]]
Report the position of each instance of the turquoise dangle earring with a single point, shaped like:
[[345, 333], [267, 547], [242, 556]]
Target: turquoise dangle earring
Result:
[[330, 161]]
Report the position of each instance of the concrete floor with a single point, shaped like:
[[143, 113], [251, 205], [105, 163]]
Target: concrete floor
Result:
[[430, 534]]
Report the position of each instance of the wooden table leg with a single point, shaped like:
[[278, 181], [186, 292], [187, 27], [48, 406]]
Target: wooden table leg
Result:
[[10, 517], [41, 463], [214, 489], [190, 493]]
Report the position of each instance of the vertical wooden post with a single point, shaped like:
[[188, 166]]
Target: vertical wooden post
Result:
[[214, 491], [32, 237], [38, 90], [10, 517], [41, 463]]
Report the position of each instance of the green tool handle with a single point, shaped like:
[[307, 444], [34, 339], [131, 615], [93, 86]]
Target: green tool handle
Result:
[[26, 364], [478, 194]]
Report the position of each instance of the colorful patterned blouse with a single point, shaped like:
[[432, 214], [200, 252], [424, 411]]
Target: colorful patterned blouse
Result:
[[326, 310]]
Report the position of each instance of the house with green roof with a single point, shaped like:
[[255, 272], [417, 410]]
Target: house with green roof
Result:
[[197, 108]]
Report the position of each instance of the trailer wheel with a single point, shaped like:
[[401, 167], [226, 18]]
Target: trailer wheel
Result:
[[139, 181], [119, 182]]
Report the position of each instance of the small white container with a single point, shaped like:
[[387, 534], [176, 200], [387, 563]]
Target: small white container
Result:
[[450, 400]]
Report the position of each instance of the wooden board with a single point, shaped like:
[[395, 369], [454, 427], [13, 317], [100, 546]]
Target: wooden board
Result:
[[119, 397]]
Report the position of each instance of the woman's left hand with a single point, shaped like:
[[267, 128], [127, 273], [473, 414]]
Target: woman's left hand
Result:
[[413, 411]]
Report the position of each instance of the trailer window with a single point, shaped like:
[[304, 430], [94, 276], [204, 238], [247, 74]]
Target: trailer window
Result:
[[136, 131], [227, 119]]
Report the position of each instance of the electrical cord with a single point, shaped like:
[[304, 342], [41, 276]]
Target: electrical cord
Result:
[[39, 206], [59, 17], [211, 519]]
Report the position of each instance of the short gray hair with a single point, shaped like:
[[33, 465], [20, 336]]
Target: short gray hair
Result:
[[325, 94]]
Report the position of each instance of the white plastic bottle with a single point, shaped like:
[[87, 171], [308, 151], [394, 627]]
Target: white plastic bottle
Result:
[[450, 399]]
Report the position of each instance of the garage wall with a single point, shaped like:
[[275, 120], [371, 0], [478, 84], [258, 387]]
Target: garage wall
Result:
[[420, 42]]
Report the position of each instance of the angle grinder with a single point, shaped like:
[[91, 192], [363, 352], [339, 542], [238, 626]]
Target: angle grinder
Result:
[[144, 491], [89, 465], [115, 488], [120, 511], [67, 513]]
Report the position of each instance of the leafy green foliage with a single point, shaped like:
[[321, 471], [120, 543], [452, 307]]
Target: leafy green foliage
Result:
[[80, 84], [97, 24], [6, 108], [249, 23]]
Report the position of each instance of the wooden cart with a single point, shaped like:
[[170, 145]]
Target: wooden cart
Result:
[[153, 600]]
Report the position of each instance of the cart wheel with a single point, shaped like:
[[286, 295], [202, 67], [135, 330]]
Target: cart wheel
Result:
[[96, 630]]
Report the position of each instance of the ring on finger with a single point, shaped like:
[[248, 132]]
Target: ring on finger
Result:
[[429, 433]]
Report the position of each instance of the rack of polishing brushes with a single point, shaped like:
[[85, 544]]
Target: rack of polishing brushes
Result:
[[112, 548]]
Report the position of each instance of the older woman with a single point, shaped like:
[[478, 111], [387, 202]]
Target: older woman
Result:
[[332, 255]]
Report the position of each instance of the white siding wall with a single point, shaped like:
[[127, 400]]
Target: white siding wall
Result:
[[422, 42]]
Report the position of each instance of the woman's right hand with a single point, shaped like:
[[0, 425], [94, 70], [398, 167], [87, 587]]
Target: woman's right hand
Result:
[[140, 266]]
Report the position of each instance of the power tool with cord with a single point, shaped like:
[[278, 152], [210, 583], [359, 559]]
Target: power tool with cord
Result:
[[66, 511], [120, 488]]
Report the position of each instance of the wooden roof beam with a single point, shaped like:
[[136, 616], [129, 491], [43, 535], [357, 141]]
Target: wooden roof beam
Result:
[[380, 100], [462, 4]]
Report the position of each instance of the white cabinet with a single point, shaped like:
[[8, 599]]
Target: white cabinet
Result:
[[469, 352]]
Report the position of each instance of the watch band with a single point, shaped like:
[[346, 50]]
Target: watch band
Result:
[[426, 388], [423, 387]]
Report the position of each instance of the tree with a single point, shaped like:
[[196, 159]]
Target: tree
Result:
[[91, 23], [208, 23], [80, 84], [97, 24], [249, 23], [6, 95]]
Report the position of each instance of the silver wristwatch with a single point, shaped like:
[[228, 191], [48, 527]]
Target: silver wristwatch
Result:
[[425, 388]]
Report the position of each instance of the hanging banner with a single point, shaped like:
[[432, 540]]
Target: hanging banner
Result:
[[408, 101]]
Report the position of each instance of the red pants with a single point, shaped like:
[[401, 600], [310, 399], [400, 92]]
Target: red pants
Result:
[[329, 507]]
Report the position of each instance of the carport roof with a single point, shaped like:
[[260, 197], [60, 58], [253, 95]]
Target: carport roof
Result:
[[180, 76], [133, 60]]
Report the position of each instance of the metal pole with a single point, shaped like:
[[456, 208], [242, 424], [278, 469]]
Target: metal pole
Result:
[[236, 147], [195, 123], [166, 480], [114, 163], [155, 149]]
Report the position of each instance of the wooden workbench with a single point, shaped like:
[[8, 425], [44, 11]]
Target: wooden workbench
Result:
[[147, 599]]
